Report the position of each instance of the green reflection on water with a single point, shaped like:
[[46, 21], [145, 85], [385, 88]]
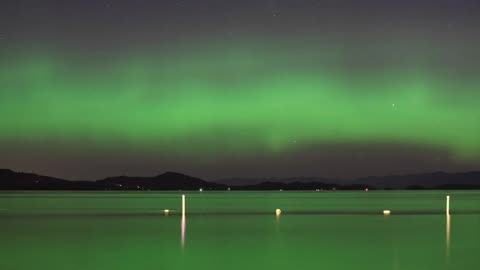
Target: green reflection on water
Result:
[[94, 230]]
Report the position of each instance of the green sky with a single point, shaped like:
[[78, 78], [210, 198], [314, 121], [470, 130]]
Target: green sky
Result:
[[237, 97]]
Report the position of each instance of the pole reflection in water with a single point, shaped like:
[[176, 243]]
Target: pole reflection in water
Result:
[[278, 212], [182, 237], [448, 236], [277, 223]]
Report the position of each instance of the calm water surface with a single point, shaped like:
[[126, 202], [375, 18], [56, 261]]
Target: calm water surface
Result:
[[239, 230]]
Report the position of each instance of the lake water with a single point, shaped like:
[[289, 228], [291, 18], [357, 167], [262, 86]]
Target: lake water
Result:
[[239, 230]]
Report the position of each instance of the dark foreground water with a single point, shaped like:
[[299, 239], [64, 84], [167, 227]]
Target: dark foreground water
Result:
[[239, 230]]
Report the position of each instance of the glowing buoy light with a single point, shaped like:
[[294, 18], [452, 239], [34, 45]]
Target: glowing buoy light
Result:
[[166, 212], [278, 212], [386, 212]]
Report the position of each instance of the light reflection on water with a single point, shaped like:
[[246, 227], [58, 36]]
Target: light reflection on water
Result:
[[338, 232], [448, 235], [183, 227]]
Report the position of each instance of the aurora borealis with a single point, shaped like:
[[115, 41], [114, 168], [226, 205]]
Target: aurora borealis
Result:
[[267, 81]]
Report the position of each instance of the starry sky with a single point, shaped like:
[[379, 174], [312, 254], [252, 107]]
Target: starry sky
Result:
[[220, 89]]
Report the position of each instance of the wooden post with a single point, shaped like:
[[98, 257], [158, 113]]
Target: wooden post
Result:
[[448, 205], [183, 205]]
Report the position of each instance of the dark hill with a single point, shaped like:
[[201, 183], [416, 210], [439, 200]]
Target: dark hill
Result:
[[10, 180], [165, 181], [243, 181], [18, 180], [425, 180]]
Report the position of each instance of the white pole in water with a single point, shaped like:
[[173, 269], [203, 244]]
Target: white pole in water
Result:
[[183, 205], [448, 205]]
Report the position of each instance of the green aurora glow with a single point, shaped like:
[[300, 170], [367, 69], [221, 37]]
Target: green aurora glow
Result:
[[235, 99]]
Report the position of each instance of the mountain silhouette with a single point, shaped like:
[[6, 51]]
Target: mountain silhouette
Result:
[[242, 181], [165, 181], [10, 180], [425, 180]]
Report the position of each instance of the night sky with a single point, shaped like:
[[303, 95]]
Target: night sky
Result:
[[217, 89]]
